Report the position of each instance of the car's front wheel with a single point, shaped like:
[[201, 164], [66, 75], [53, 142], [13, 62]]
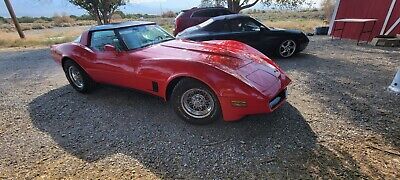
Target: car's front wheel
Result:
[[195, 102], [287, 49], [78, 78]]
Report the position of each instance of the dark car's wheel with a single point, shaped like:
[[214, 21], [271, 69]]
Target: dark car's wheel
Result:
[[78, 78], [287, 49], [195, 102]]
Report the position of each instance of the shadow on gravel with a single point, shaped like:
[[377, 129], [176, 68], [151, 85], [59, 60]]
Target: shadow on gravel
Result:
[[354, 89], [112, 120]]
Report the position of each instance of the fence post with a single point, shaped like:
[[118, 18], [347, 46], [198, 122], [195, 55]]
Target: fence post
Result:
[[14, 18]]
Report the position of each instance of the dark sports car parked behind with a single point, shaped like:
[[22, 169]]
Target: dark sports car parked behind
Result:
[[195, 16], [270, 41]]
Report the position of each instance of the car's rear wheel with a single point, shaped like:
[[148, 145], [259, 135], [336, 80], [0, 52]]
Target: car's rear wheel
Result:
[[195, 102], [287, 49], [78, 78]]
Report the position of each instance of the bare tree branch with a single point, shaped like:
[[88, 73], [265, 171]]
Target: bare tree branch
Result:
[[249, 5]]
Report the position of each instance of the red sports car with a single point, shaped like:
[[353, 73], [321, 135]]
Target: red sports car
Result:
[[202, 80]]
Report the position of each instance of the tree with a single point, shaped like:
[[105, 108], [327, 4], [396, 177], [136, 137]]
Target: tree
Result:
[[237, 5], [101, 10], [328, 6], [214, 3], [120, 13]]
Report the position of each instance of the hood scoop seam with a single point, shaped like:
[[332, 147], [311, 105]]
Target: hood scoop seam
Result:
[[202, 51]]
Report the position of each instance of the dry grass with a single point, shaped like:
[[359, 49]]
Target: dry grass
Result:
[[59, 20], [39, 38], [304, 25], [47, 33], [301, 20], [166, 23]]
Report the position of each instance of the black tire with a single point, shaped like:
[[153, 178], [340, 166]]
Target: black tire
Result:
[[186, 85], [278, 49], [88, 84]]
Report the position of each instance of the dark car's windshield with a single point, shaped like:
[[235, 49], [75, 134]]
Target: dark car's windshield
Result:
[[142, 36]]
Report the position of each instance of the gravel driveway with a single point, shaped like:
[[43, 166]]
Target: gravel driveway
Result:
[[340, 122]]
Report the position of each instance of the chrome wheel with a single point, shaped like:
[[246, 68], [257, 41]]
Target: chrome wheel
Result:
[[197, 103], [287, 48], [75, 76]]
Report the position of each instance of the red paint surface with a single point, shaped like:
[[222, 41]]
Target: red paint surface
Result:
[[366, 9], [227, 67]]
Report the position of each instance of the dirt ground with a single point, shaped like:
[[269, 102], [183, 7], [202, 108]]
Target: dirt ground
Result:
[[340, 122]]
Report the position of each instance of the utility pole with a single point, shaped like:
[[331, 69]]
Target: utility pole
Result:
[[14, 18]]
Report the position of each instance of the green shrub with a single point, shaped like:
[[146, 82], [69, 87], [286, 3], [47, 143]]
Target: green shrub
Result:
[[132, 16], [139, 16], [26, 19], [84, 17], [85, 23], [168, 14], [120, 13], [73, 17], [62, 20], [38, 26], [39, 21], [47, 19], [116, 18], [2, 20]]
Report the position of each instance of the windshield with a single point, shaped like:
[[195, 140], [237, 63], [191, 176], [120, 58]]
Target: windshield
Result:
[[142, 36], [206, 23], [78, 39]]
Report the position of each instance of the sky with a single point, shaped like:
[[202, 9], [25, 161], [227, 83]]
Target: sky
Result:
[[50, 7]]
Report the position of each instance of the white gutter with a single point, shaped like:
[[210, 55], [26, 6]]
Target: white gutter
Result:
[[333, 17]]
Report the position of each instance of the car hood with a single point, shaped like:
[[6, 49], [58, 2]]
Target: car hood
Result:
[[232, 57], [287, 31], [187, 31]]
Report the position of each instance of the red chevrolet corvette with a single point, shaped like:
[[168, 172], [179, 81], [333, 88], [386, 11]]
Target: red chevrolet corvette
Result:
[[202, 80]]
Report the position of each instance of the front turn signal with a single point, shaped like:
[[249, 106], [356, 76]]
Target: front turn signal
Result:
[[239, 103]]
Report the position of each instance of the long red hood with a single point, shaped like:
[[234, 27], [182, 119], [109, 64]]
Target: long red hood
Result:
[[232, 57]]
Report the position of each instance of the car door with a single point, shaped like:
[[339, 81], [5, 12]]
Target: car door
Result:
[[250, 32], [217, 30], [110, 66]]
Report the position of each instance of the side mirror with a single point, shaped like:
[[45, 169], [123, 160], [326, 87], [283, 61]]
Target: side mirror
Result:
[[263, 28], [109, 48]]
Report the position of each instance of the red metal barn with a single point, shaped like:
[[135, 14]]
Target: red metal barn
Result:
[[387, 12]]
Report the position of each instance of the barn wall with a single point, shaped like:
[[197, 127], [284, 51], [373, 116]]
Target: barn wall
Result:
[[365, 9]]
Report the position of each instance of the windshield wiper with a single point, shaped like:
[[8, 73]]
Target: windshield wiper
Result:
[[146, 45], [164, 40], [153, 43]]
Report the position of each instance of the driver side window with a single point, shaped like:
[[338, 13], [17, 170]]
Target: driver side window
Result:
[[244, 25], [101, 38]]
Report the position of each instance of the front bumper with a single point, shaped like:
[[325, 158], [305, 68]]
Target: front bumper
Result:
[[303, 43], [303, 46], [254, 106], [273, 103]]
